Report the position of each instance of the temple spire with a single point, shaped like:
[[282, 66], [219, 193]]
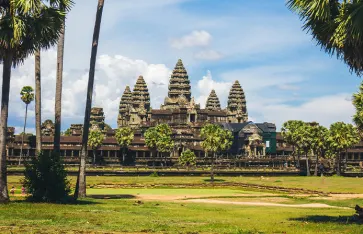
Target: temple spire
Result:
[[179, 82], [140, 95], [213, 101], [125, 103], [237, 110]]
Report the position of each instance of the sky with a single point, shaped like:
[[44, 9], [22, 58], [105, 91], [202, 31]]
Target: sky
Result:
[[260, 43]]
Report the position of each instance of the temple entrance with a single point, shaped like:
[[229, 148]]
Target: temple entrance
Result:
[[180, 151], [192, 118]]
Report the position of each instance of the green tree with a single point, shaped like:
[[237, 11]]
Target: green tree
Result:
[[124, 136], [187, 158], [95, 141], [305, 142], [319, 143], [342, 136], [159, 138], [358, 104], [24, 28], [27, 96], [80, 190], [63, 5], [336, 25], [289, 132], [215, 139]]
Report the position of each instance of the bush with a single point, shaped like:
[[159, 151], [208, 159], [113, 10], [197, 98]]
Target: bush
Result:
[[46, 179]]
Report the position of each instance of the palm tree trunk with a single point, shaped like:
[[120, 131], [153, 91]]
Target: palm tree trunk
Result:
[[4, 196], [307, 165], [94, 157], [22, 137], [212, 168], [316, 165], [81, 180], [58, 91], [338, 164], [38, 103]]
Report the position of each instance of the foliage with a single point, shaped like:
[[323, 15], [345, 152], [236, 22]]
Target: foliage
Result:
[[67, 132], [337, 26], [27, 26], [27, 94], [159, 138], [124, 136], [358, 104], [289, 132], [342, 136], [187, 158], [215, 139], [46, 179], [95, 139]]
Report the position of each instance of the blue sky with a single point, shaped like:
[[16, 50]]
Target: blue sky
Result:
[[260, 43]]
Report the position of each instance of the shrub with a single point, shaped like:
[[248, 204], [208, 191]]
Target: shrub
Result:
[[187, 158], [46, 179]]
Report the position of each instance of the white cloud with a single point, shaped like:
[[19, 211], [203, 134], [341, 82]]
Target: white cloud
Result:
[[208, 55], [324, 110], [205, 86], [195, 38], [288, 87]]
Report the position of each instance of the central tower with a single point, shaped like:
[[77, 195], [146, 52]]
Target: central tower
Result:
[[179, 88]]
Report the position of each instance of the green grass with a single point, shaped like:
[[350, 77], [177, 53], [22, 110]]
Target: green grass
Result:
[[123, 215], [324, 184]]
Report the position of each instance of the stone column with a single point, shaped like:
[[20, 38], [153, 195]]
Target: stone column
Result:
[[255, 151], [264, 151]]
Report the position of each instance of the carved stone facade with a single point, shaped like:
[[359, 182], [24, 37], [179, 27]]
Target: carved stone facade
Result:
[[179, 106]]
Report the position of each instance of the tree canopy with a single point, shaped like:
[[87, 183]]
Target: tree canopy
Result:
[[95, 139], [159, 138], [215, 139], [124, 136], [27, 94], [187, 158], [336, 25]]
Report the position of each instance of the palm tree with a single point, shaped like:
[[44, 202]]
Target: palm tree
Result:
[[38, 103], [124, 136], [64, 5], [336, 25], [95, 141], [27, 96], [24, 28], [80, 190], [215, 139], [342, 136]]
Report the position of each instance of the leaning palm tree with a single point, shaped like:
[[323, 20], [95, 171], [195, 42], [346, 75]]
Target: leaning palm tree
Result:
[[80, 190], [27, 96], [64, 5], [336, 25], [24, 28]]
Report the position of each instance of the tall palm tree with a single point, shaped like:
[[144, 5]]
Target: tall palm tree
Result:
[[80, 190], [27, 96], [24, 28], [64, 5], [38, 103], [336, 25]]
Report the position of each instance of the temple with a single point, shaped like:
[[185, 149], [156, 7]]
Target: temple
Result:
[[180, 112]]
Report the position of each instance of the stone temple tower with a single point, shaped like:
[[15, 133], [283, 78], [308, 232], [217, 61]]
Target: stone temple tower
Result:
[[236, 108], [140, 105], [179, 88], [124, 108], [213, 102]]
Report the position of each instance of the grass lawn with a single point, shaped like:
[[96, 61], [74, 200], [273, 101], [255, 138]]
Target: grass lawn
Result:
[[124, 215], [325, 184]]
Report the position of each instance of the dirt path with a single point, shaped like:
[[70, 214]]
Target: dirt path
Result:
[[199, 199]]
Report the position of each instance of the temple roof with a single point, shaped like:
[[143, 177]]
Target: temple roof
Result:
[[179, 83], [213, 101]]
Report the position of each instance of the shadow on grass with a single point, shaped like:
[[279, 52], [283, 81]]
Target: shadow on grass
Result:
[[70, 201], [327, 219], [215, 180], [112, 196]]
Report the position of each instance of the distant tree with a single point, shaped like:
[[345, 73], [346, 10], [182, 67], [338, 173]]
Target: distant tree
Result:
[[215, 139], [27, 96], [289, 132], [124, 136], [187, 158], [68, 132], [159, 138], [342, 136], [319, 143], [358, 104], [95, 141], [337, 27], [305, 142]]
